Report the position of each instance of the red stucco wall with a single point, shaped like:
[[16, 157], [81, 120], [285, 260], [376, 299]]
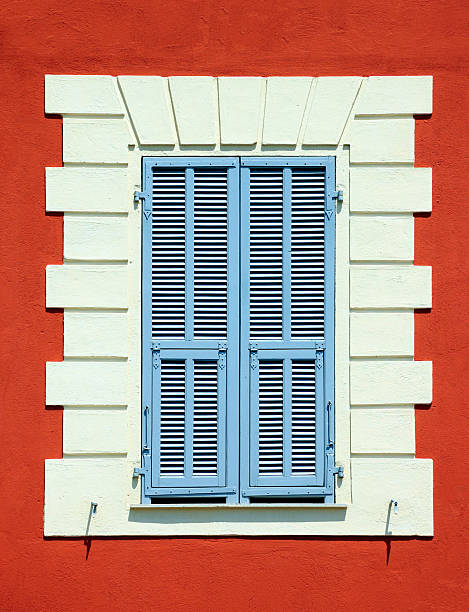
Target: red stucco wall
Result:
[[263, 37]]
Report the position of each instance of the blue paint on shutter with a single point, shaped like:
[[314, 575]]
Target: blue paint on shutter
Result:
[[287, 327], [190, 345], [238, 328]]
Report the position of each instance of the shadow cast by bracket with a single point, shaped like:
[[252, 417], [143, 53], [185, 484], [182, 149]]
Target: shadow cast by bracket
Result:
[[172, 516]]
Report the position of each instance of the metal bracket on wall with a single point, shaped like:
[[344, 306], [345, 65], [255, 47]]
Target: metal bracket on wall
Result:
[[339, 470], [338, 195], [138, 195]]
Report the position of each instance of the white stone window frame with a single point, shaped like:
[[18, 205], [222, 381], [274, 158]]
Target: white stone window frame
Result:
[[109, 123]]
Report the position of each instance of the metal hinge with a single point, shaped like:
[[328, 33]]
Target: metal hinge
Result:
[[338, 195], [253, 355], [329, 209], [155, 349], [339, 470], [222, 346], [138, 472], [140, 195]]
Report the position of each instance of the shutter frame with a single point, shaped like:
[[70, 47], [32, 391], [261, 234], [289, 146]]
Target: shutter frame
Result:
[[322, 483], [239, 486], [223, 351]]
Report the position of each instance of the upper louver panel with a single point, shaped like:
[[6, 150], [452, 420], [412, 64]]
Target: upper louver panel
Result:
[[286, 265], [190, 253]]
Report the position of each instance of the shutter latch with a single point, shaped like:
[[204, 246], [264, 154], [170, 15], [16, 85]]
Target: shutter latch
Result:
[[339, 470], [138, 471]]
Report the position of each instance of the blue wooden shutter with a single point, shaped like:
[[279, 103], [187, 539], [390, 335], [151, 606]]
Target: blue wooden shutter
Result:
[[190, 327], [287, 319]]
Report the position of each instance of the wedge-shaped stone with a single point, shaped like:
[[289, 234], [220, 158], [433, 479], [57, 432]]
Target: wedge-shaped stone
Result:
[[390, 189], [86, 383], [377, 481], [86, 189], [332, 103], [240, 105], [91, 431], [95, 238], [95, 140], [70, 487], [382, 140], [396, 95], [82, 95], [285, 106], [95, 334], [383, 238], [149, 105], [196, 109], [391, 382], [391, 287], [386, 430], [382, 334], [83, 286]]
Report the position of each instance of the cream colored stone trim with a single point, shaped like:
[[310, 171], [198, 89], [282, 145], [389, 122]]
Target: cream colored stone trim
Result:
[[393, 431], [89, 431], [332, 97], [86, 383], [95, 238], [382, 238], [240, 109], [79, 189], [396, 95], [149, 104], [86, 286], [95, 333], [390, 189], [109, 124], [382, 334], [285, 105]]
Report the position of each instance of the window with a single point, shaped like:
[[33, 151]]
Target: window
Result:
[[238, 329], [377, 287]]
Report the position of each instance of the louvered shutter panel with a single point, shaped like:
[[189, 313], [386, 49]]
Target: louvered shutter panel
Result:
[[287, 297], [190, 327]]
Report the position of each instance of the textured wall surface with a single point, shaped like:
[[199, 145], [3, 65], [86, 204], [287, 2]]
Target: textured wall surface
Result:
[[230, 38]]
